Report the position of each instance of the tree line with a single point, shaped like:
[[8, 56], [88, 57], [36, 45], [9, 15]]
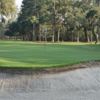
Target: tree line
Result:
[[57, 20]]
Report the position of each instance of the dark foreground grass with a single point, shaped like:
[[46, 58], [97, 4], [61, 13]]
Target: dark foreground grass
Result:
[[33, 55]]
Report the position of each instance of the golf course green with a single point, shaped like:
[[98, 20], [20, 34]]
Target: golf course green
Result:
[[43, 55]]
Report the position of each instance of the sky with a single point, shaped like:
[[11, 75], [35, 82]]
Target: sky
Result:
[[18, 2]]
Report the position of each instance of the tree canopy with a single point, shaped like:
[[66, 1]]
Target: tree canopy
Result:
[[59, 20]]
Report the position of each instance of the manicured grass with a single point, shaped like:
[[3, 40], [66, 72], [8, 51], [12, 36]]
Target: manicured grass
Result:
[[36, 55]]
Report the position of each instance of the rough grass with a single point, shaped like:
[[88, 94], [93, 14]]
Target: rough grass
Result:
[[41, 55]]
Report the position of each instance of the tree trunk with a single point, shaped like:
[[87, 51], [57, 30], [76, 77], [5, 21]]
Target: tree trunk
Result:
[[34, 36], [54, 22], [95, 36], [45, 37], [53, 38], [72, 36], [40, 36], [78, 37], [87, 39], [58, 36], [91, 37]]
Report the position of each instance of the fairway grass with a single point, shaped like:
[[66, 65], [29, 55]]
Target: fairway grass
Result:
[[45, 55]]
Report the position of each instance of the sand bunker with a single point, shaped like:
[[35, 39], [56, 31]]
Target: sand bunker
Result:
[[80, 84]]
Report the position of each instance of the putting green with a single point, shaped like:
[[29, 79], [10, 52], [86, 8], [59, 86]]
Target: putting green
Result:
[[35, 55]]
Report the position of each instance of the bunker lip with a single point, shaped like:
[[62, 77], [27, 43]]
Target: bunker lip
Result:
[[37, 71]]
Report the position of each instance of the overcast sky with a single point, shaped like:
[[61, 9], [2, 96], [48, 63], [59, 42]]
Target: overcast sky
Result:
[[18, 2]]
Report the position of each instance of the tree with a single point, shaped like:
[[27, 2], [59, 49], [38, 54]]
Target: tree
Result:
[[98, 2], [59, 20], [7, 8], [7, 13], [92, 19], [30, 10]]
